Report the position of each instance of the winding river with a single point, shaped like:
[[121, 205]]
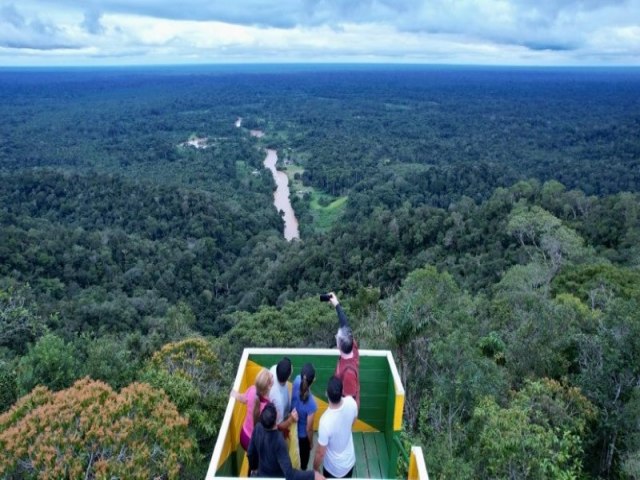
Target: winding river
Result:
[[281, 196]]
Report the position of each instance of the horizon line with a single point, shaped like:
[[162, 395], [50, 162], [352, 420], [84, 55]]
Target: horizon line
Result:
[[74, 66]]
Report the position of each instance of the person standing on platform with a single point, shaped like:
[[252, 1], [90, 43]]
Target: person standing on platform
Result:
[[303, 402], [335, 451], [348, 367], [279, 395], [256, 398], [267, 452]]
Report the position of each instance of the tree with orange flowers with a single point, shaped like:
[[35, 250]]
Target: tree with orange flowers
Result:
[[90, 431]]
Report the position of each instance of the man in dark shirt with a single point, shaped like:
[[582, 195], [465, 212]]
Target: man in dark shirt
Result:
[[268, 454]]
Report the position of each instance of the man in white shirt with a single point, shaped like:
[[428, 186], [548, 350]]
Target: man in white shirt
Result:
[[335, 450], [279, 393]]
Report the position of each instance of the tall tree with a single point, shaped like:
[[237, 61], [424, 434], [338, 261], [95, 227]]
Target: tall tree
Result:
[[538, 435], [91, 431]]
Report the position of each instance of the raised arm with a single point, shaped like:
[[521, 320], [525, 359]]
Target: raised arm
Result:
[[343, 321]]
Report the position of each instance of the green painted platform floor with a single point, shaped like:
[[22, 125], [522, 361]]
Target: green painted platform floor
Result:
[[372, 459]]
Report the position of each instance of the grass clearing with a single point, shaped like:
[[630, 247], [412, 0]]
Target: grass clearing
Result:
[[325, 209], [325, 216], [291, 171]]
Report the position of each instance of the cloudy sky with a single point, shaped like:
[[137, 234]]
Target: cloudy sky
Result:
[[134, 32]]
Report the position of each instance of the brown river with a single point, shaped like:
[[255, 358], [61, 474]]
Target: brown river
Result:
[[281, 196]]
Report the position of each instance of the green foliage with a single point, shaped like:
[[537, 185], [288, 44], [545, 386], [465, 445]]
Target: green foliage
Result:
[[107, 358], [8, 386], [193, 377], [430, 322], [551, 240], [613, 223], [428, 302], [128, 250], [180, 321], [492, 346], [307, 323], [461, 378], [325, 211], [364, 301], [631, 421], [193, 359], [631, 466], [609, 373], [538, 332], [18, 323], [50, 362], [537, 436], [596, 284]]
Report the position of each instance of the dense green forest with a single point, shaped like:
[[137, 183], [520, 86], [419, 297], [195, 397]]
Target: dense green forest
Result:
[[483, 224]]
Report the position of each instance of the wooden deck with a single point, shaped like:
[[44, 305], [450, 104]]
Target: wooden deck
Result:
[[372, 458]]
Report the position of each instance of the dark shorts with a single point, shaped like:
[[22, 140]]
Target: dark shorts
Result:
[[328, 474]]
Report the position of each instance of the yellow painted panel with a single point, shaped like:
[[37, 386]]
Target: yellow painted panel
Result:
[[397, 412], [244, 469], [232, 441], [359, 426], [417, 467], [413, 468]]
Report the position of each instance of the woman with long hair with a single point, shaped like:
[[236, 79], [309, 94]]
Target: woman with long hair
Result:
[[256, 398], [302, 400]]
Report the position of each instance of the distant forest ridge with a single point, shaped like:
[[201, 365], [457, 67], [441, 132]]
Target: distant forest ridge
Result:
[[575, 125]]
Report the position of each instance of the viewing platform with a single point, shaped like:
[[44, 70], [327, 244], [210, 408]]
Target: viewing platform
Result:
[[376, 433]]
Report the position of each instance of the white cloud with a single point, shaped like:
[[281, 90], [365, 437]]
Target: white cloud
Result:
[[18, 32], [465, 31]]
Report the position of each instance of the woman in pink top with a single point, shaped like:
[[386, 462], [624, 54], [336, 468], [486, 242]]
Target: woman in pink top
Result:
[[256, 398]]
